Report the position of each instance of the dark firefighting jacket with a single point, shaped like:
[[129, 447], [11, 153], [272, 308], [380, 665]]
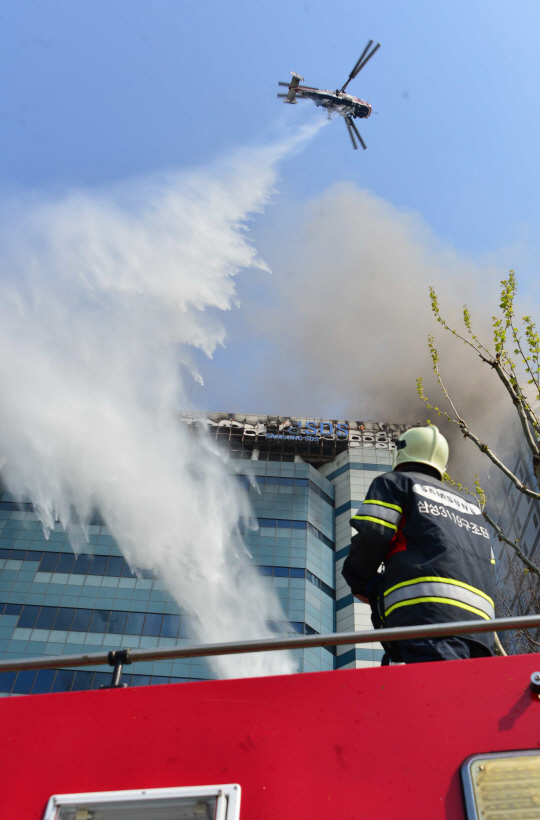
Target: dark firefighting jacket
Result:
[[436, 552]]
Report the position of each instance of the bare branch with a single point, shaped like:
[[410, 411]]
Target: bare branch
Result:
[[498, 463], [533, 418], [525, 633], [497, 361], [504, 331], [484, 448], [517, 399], [499, 648], [514, 544]]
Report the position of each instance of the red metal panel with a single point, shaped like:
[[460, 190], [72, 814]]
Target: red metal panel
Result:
[[374, 743]]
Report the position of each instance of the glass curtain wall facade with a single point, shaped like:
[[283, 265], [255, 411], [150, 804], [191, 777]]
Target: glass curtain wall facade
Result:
[[294, 546], [54, 603], [351, 473], [304, 483], [518, 515]]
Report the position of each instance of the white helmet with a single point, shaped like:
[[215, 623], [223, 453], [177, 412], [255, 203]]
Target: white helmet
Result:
[[424, 445]]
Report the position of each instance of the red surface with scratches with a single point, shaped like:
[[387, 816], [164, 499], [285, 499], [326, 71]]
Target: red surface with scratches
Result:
[[375, 743]]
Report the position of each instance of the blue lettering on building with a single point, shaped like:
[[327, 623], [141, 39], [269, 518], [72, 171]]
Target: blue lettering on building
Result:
[[311, 431]]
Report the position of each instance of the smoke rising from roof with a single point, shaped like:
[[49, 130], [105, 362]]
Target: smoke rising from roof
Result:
[[348, 314]]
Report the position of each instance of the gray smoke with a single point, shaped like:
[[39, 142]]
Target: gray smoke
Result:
[[348, 315]]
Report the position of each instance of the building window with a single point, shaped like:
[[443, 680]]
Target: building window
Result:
[[116, 622], [204, 802]]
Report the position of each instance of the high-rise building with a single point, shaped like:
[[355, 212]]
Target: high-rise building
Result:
[[304, 477]]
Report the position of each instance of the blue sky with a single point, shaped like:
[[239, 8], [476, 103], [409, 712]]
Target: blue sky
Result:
[[96, 92]]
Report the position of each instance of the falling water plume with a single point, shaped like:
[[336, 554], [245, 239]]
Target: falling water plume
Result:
[[104, 294]]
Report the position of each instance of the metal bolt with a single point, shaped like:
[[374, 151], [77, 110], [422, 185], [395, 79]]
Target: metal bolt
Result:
[[480, 768], [535, 683]]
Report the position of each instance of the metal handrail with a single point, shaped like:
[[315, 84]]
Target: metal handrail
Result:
[[270, 644]]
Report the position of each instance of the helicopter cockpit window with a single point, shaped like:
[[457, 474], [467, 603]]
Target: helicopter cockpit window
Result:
[[197, 803]]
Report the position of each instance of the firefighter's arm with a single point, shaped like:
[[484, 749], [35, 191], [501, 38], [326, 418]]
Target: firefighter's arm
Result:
[[376, 523]]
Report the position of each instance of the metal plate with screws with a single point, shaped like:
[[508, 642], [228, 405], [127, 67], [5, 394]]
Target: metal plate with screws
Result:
[[503, 784]]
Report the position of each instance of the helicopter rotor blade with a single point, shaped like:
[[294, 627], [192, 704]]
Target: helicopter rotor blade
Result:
[[359, 69], [352, 75], [357, 132], [360, 63], [348, 123], [300, 87]]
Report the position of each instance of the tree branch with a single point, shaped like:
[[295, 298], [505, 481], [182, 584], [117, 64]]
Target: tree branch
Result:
[[517, 340], [517, 399], [525, 633], [497, 462], [514, 544], [504, 331], [499, 648], [461, 423]]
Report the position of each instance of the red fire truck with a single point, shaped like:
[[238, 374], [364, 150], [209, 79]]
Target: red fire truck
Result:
[[437, 740]]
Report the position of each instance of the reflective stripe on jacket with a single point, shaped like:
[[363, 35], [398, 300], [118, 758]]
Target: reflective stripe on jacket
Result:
[[435, 549], [441, 590], [388, 515]]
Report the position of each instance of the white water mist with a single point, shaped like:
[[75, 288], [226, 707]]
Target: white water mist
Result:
[[103, 294]]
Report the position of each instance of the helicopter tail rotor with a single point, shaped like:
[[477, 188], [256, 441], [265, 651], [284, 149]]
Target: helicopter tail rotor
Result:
[[360, 63], [292, 86]]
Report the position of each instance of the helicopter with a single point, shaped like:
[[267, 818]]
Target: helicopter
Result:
[[346, 105]]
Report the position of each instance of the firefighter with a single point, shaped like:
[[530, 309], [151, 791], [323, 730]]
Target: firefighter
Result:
[[437, 556]]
